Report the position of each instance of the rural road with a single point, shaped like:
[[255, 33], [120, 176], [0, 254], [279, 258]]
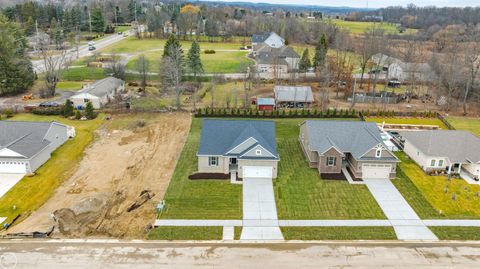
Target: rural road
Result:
[[39, 66], [54, 254]]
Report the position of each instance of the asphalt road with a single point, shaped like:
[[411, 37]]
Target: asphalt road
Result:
[[140, 254], [39, 65]]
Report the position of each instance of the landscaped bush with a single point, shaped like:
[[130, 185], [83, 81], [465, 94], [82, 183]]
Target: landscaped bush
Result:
[[209, 51], [209, 176]]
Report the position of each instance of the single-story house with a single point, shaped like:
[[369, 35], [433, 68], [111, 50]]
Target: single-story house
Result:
[[448, 150], [293, 96], [25, 146], [246, 147], [271, 39], [403, 71], [265, 104], [99, 93], [276, 60], [354, 145]]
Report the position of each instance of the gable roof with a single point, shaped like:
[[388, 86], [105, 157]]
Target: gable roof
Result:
[[458, 146], [219, 137], [24, 138], [265, 101], [356, 137], [103, 87], [260, 38], [293, 94]]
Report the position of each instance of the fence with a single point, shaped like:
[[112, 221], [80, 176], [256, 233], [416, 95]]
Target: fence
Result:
[[442, 118]]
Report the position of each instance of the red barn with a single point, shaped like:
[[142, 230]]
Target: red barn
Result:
[[265, 104]]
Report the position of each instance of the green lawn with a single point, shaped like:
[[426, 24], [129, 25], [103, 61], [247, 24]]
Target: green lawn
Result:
[[237, 232], [301, 194], [405, 120], [186, 233], [440, 193], [69, 85], [339, 233], [83, 73], [464, 123], [359, 27], [220, 62], [457, 233], [31, 192], [199, 199]]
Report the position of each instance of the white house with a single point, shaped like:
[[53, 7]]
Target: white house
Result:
[[99, 93], [271, 39], [403, 71]]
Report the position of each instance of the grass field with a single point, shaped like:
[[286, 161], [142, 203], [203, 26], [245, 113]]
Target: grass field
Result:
[[69, 85], [301, 194], [31, 192], [220, 62], [186, 233], [453, 198], [199, 199], [404, 120], [463, 123], [359, 27], [338, 233], [83, 73], [456, 233]]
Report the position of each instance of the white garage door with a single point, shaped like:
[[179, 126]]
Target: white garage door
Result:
[[13, 167], [375, 171], [258, 172]]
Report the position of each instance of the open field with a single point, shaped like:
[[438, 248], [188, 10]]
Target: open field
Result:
[[464, 123], [338, 233], [32, 192], [302, 194], [69, 85], [83, 73], [456, 233], [132, 153], [453, 199], [405, 120], [186, 233], [199, 199], [358, 27]]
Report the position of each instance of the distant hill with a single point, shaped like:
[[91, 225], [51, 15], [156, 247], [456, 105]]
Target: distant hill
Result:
[[285, 7]]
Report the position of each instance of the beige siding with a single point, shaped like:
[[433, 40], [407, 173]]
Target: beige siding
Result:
[[312, 157], [271, 163], [322, 162], [423, 160], [204, 167], [472, 168]]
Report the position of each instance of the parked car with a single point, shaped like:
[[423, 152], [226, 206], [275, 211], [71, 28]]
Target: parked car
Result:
[[49, 104], [394, 84], [374, 71], [91, 48], [91, 43], [120, 33]]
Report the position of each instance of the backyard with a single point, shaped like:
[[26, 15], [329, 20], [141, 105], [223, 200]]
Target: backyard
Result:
[[408, 120], [33, 191], [464, 123]]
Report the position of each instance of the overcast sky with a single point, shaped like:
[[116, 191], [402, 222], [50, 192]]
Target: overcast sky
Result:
[[371, 3]]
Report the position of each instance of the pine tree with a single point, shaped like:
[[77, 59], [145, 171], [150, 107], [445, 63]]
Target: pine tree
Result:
[[305, 63], [68, 109], [98, 21], [194, 63], [171, 45], [89, 113], [321, 52]]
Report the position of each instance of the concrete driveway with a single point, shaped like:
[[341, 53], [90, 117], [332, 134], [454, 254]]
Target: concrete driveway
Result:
[[7, 181], [407, 224], [260, 221]]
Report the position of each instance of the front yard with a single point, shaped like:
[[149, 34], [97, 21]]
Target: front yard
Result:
[[453, 199], [31, 192]]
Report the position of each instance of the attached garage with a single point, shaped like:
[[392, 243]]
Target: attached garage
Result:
[[13, 167], [257, 172], [376, 171]]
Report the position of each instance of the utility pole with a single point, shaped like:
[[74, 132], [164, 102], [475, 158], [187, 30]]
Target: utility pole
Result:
[[90, 21], [36, 34], [77, 39]]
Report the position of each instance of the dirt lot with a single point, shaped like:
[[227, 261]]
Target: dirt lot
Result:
[[132, 154]]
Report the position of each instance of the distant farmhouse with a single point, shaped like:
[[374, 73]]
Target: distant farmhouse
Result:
[[99, 93], [272, 56], [397, 69]]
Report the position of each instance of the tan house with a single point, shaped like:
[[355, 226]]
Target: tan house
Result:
[[99, 93], [447, 150], [244, 148], [354, 147]]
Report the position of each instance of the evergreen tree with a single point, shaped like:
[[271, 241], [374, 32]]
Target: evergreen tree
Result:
[[171, 45], [305, 63], [98, 21], [68, 109], [89, 113], [194, 63], [321, 52], [78, 115]]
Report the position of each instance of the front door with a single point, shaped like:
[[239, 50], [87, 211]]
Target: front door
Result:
[[233, 160]]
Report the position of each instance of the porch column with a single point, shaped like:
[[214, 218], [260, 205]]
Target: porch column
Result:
[[450, 168], [459, 168]]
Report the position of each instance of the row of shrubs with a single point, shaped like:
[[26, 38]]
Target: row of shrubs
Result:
[[391, 114], [209, 51], [67, 111], [290, 113]]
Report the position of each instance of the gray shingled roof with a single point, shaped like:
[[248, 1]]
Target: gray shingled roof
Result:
[[259, 38], [293, 94], [220, 136], [104, 86], [25, 138], [356, 137], [458, 146]]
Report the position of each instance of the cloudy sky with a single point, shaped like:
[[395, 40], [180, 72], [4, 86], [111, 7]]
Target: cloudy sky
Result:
[[371, 3]]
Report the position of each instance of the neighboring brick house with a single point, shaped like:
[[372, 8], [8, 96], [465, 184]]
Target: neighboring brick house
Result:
[[334, 147]]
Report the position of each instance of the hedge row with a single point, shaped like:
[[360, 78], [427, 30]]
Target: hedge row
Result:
[[391, 114], [48, 110], [291, 113]]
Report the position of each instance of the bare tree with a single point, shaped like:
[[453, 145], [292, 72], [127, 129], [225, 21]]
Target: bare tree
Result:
[[142, 68], [472, 63], [370, 44], [54, 63], [117, 66], [171, 73]]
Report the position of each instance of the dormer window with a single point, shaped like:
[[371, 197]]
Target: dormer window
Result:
[[378, 153], [258, 152]]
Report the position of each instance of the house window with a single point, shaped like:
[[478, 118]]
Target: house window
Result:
[[86, 100], [440, 163], [432, 163], [331, 161], [213, 161], [378, 153], [258, 152]]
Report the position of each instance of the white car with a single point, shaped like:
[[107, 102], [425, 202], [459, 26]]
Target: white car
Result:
[[91, 43]]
